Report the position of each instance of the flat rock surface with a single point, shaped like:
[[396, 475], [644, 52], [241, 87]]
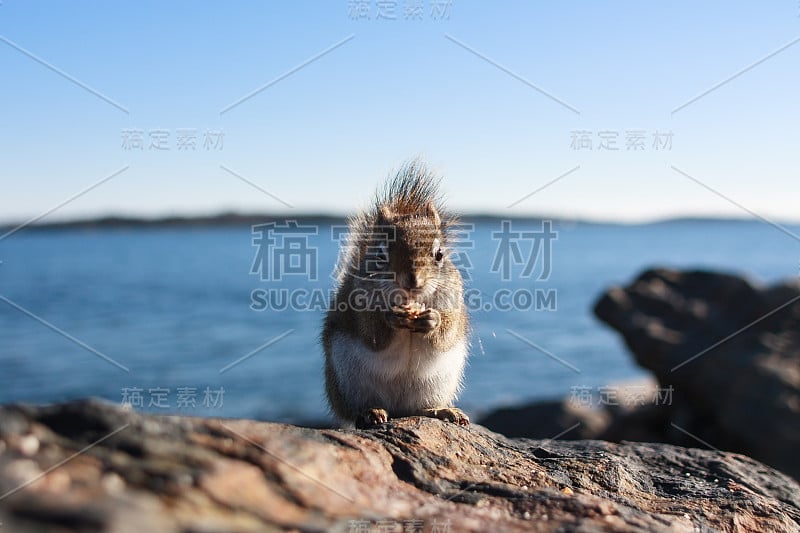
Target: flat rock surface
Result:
[[90, 466]]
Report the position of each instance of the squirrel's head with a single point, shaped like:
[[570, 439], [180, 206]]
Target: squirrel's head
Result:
[[406, 253], [402, 243]]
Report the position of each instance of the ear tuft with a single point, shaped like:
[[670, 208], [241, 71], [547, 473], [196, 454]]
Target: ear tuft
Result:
[[430, 210]]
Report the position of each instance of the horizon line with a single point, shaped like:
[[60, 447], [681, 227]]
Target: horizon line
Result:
[[234, 217]]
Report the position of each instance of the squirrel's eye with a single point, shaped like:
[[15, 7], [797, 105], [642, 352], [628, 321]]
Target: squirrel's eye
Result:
[[437, 250]]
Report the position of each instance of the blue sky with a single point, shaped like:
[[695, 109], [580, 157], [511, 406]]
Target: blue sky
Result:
[[321, 138]]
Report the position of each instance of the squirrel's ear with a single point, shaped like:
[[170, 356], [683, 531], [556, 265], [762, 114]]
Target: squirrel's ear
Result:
[[385, 214], [430, 210]]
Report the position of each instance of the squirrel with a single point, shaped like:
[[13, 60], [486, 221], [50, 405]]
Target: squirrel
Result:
[[395, 335]]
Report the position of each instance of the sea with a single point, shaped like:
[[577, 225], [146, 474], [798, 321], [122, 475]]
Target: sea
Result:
[[225, 321]]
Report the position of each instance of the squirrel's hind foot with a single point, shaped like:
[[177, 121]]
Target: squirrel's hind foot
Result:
[[371, 418], [448, 414]]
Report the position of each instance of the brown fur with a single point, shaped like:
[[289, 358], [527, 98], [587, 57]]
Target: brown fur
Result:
[[409, 207]]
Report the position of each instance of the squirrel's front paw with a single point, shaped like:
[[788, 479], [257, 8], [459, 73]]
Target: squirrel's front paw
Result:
[[371, 418], [417, 318], [399, 317], [426, 321]]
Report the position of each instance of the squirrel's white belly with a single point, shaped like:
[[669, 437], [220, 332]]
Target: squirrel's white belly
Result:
[[405, 377]]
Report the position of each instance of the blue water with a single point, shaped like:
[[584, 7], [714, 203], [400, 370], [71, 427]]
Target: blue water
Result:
[[173, 306]]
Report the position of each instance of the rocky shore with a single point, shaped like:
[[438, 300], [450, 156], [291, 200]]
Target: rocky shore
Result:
[[728, 351], [91, 466]]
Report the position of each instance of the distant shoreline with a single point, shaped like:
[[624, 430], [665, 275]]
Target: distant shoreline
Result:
[[250, 219]]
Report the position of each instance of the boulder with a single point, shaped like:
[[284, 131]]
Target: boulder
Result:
[[548, 419], [91, 466], [730, 349]]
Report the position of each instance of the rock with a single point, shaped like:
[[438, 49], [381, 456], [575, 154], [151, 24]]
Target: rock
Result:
[[730, 350], [548, 419], [97, 467], [622, 415]]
